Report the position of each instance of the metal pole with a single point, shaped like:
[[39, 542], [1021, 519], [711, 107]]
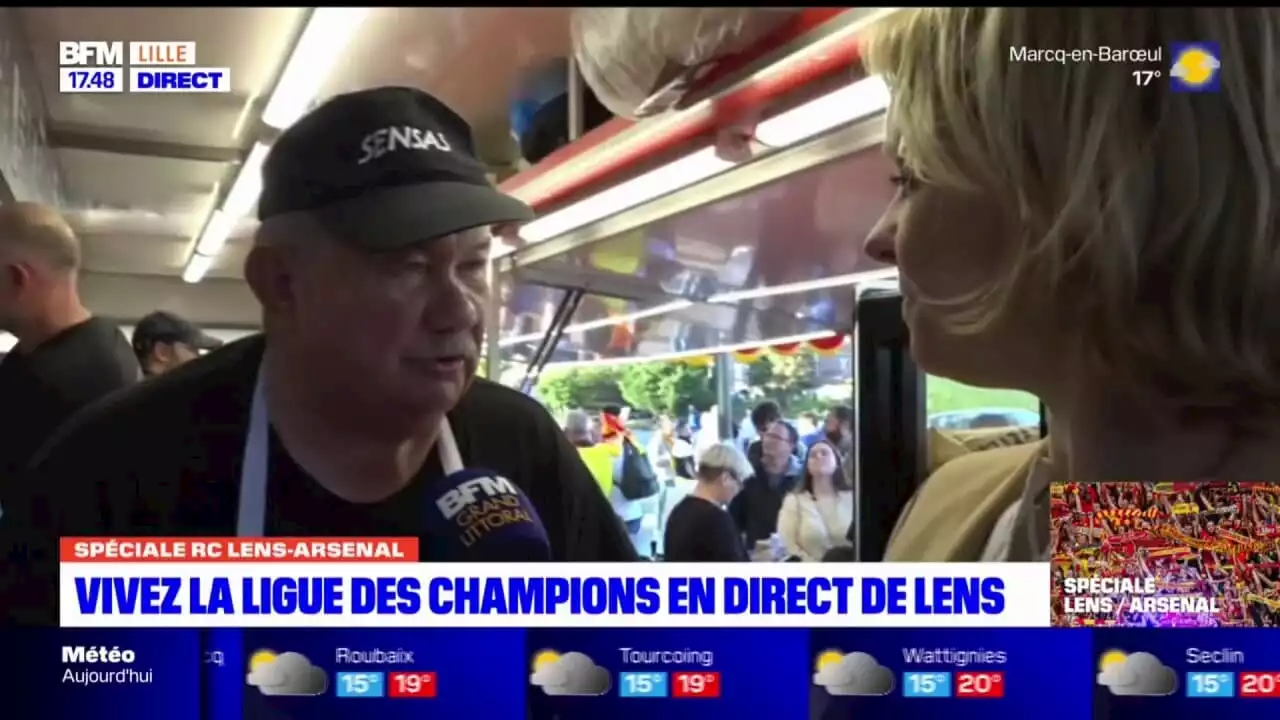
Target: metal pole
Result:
[[493, 326], [576, 90], [724, 395]]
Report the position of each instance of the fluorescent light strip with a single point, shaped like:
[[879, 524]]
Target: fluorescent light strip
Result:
[[248, 185], [222, 222], [737, 296], [197, 266], [734, 296], [328, 32], [686, 171], [603, 322], [216, 232], [606, 362], [849, 104], [846, 105]]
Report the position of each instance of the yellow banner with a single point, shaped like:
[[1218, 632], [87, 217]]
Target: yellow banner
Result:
[[1173, 551], [1186, 509]]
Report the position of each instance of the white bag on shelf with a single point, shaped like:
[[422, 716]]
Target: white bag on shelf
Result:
[[641, 61]]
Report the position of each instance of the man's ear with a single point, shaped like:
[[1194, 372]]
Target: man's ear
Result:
[[18, 274], [269, 273]]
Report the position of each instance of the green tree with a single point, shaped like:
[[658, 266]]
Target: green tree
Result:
[[590, 388], [788, 380], [665, 387]]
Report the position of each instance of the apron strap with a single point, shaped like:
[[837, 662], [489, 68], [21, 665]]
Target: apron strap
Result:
[[447, 445], [251, 515]]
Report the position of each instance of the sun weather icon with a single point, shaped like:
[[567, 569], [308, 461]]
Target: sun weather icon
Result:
[[1196, 67], [285, 674], [570, 674], [856, 673], [1135, 674]]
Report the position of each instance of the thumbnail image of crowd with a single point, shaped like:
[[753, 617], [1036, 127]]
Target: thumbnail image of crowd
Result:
[[1216, 540]]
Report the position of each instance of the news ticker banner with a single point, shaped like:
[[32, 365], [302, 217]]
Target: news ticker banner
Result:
[[378, 582], [136, 67], [1174, 554], [625, 672]]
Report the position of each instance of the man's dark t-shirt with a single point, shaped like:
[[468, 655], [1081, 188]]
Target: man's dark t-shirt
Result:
[[698, 530], [164, 459], [41, 389]]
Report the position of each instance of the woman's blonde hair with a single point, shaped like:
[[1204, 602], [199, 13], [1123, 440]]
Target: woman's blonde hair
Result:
[[1148, 220]]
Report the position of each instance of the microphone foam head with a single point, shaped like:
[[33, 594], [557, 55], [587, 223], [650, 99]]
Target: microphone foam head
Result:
[[483, 517]]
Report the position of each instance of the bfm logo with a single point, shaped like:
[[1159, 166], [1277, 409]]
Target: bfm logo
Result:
[[91, 53], [454, 501]]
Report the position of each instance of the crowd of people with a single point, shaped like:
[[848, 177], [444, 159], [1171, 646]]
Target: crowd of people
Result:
[[1212, 539], [778, 496]]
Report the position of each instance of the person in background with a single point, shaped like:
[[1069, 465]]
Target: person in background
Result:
[[613, 435], [683, 453], [698, 528], [678, 469], [808, 428], [837, 429], [762, 416], [163, 341], [600, 459], [816, 516], [1115, 254], [670, 449], [660, 446], [776, 474], [65, 358]]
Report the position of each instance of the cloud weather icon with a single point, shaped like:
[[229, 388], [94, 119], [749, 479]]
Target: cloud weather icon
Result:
[[570, 674], [1136, 674], [286, 674], [854, 674]]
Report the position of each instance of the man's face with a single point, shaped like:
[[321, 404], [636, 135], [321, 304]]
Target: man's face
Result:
[[404, 328], [762, 427], [832, 424], [167, 356], [776, 441]]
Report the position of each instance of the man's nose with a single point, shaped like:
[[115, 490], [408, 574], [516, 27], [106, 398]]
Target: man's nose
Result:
[[455, 307], [880, 245]]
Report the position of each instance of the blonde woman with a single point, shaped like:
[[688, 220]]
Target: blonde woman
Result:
[[1108, 243]]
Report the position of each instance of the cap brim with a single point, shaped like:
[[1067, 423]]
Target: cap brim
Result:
[[204, 341], [392, 218]]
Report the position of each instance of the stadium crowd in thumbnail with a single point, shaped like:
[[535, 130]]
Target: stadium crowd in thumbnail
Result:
[[1218, 540]]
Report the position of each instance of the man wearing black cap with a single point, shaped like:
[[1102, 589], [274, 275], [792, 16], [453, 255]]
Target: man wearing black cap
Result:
[[360, 396], [163, 341]]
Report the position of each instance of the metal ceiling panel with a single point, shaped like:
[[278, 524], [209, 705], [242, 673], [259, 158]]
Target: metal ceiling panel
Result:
[[793, 220]]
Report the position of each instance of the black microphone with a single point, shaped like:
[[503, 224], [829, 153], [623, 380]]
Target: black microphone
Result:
[[476, 515]]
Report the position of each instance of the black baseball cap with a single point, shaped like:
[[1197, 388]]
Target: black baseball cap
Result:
[[163, 327], [384, 168]]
